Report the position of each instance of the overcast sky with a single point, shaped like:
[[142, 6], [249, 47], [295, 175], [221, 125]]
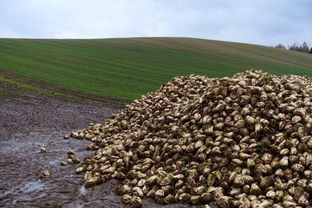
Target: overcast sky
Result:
[[266, 22]]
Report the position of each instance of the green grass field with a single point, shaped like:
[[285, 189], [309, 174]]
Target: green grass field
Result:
[[129, 67]]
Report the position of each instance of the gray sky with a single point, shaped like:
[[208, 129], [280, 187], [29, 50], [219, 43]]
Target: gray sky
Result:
[[266, 22]]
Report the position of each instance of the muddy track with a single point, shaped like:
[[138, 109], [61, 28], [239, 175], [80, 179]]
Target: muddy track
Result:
[[73, 93], [30, 122]]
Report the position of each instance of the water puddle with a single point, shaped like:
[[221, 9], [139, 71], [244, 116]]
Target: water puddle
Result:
[[82, 190], [32, 186], [53, 162], [26, 188]]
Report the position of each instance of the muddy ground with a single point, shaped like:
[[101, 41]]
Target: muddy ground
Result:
[[30, 122]]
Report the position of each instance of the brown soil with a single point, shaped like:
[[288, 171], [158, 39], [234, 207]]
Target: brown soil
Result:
[[30, 122]]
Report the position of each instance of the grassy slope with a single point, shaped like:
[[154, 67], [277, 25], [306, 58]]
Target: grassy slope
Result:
[[128, 68]]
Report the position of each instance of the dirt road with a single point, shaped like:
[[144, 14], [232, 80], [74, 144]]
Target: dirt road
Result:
[[31, 122]]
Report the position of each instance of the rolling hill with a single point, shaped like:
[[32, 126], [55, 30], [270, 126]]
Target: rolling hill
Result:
[[125, 68]]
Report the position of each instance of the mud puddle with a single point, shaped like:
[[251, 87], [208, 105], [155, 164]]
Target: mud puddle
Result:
[[31, 122]]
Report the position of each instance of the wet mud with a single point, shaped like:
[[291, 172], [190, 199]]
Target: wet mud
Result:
[[30, 122]]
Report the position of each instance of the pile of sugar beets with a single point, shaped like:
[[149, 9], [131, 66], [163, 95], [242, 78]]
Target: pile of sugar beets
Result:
[[244, 141]]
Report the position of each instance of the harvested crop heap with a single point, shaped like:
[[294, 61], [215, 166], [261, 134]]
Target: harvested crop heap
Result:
[[243, 141]]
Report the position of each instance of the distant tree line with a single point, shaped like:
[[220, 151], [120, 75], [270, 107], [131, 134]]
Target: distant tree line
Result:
[[296, 47]]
